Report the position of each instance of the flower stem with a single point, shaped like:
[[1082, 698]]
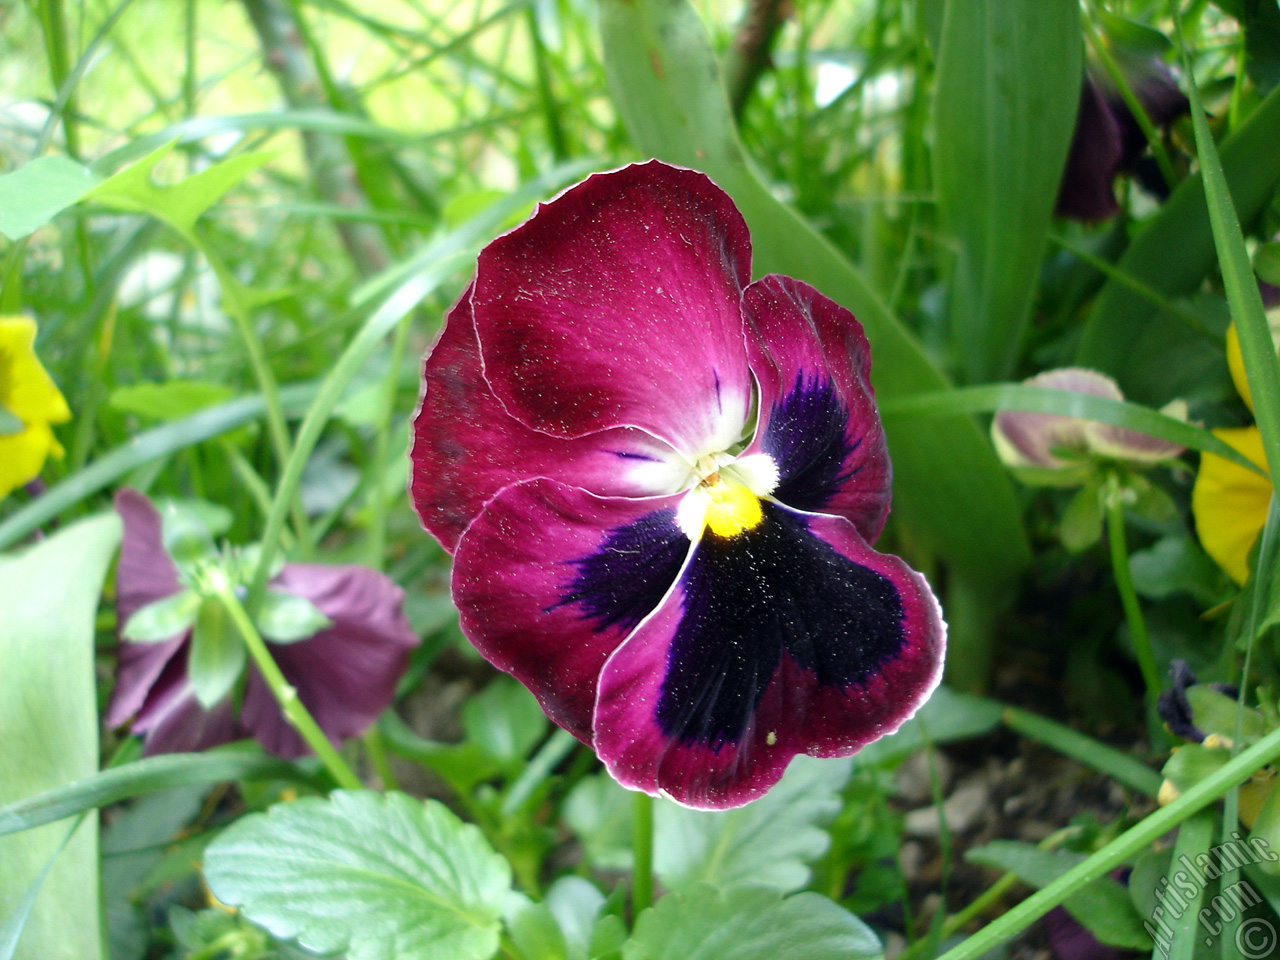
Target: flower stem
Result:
[[642, 851], [1129, 600], [290, 704]]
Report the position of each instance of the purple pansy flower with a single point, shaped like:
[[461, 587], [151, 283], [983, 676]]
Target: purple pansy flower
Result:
[[345, 674], [660, 484]]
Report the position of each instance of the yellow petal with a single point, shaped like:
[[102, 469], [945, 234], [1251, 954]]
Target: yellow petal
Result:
[[1235, 359], [29, 393], [1230, 503]]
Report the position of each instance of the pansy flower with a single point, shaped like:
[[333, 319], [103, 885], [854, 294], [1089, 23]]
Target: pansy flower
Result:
[[345, 672], [29, 403], [660, 483]]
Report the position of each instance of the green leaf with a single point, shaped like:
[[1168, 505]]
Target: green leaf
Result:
[[665, 80], [1215, 712], [1081, 525], [533, 929], [141, 777], [1266, 263], [48, 712], [1176, 564], [1008, 88], [504, 720], [37, 191], [749, 923], [1125, 769], [1121, 318], [1191, 763], [9, 423], [217, 655], [288, 618], [322, 870], [771, 842], [169, 401], [164, 619], [178, 204], [947, 715], [1103, 907]]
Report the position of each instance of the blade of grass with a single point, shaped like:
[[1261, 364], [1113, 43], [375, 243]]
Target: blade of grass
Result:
[[1120, 766]]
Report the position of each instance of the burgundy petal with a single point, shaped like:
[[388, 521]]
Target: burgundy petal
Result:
[[1087, 190], [145, 573], [819, 421], [794, 637], [466, 447], [172, 719], [550, 579], [346, 674], [618, 304]]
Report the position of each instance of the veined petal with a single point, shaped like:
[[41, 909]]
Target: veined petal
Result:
[[619, 304], [550, 579], [818, 418], [145, 573], [1230, 503], [793, 637], [466, 447], [346, 674]]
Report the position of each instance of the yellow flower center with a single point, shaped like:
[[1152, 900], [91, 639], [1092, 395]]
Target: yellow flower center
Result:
[[726, 497], [732, 507]]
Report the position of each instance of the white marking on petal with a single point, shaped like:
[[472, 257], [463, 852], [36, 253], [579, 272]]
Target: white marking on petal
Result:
[[691, 515], [757, 472]]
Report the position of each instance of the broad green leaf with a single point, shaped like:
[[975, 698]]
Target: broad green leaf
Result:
[[665, 80], [164, 619], [288, 618], [1008, 87], [379, 877], [749, 923], [770, 842], [37, 191], [533, 929], [1215, 712], [1177, 564], [48, 712], [1103, 907], [142, 777], [1122, 318], [177, 204], [576, 904], [504, 720], [1266, 263]]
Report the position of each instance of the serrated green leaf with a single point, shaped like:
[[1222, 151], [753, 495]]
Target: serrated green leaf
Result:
[[178, 204], [164, 619], [576, 904], [288, 618], [1103, 907], [1007, 92], [217, 654], [37, 191], [533, 929], [319, 870], [48, 712], [749, 923]]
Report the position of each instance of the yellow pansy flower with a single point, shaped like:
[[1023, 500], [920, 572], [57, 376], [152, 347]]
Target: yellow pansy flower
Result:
[[29, 403], [1229, 502]]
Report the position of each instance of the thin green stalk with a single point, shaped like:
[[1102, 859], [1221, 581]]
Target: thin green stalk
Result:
[[1127, 845], [558, 746], [376, 750], [286, 695], [642, 853], [1114, 508]]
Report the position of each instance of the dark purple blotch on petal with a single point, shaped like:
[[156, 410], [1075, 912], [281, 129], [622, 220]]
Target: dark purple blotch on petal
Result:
[[1174, 707], [626, 578], [748, 598], [805, 434]]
